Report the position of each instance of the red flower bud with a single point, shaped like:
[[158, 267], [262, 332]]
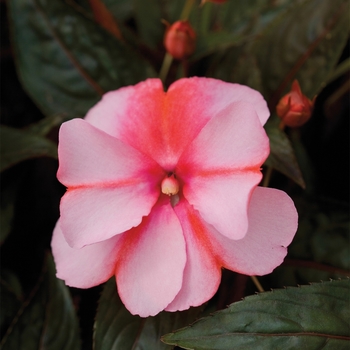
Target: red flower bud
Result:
[[294, 108], [180, 39]]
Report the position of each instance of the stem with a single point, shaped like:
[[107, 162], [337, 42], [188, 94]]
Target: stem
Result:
[[187, 9], [257, 284], [267, 177], [168, 60], [281, 126]]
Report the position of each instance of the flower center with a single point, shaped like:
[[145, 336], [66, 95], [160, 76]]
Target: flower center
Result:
[[170, 186]]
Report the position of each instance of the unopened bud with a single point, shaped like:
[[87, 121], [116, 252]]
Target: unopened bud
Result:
[[294, 108], [180, 40]]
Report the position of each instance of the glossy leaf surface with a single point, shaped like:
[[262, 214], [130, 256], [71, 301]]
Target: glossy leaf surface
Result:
[[46, 319], [67, 61], [307, 317], [18, 145], [115, 328]]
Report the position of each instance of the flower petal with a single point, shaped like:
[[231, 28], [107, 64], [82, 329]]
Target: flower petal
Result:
[[215, 95], [223, 201], [202, 273], [150, 268], [162, 124], [91, 215], [85, 267], [232, 140], [90, 157], [221, 167], [111, 186], [273, 221]]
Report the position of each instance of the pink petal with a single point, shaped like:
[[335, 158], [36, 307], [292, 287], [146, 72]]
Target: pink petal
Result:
[[217, 95], [111, 185], [85, 267], [150, 269], [202, 273], [232, 140], [91, 215], [162, 124], [90, 157], [223, 201], [221, 167], [273, 221]]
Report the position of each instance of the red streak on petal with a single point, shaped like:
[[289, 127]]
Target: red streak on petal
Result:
[[113, 184], [189, 171], [129, 242], [201, 233], [226, 171]]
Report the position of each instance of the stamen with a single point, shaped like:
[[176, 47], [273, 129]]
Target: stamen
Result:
[[170, 186]]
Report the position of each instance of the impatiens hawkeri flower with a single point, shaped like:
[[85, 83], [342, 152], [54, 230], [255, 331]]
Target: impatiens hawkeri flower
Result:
[[295, 108], [162, 193]]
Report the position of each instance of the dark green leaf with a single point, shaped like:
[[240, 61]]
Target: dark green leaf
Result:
[[65, 60], [247, 15], [323, 235], [115, 328], [18, 145], [304, 42], [121, 9], [341, 69], [11, 293], [293, 272], [213, 42], [148, 17], [308, 317], [282, 157], [9, 192], [46, 320], [45, 125]]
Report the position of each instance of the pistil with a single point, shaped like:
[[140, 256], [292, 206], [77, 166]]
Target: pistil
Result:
[[170, 185]]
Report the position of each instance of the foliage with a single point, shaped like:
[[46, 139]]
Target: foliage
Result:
[[307, 317]]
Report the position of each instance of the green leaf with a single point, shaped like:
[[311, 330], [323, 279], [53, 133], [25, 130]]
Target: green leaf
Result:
[[46, 320], [121, 9], [148, 17], [18, 145], [11, 294], [213, 42], [282, 157], [15, 146], [302, 39], [342, 68], [323, 235], [65, 60], [9, 190], [243, 15], [115, 328], [308, 317], [45, 125], [304, 42]]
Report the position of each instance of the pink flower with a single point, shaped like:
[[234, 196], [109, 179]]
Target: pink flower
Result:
[[162, 193]]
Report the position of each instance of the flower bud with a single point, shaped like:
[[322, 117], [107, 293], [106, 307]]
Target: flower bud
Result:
[[179, 40], [294, 108]]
